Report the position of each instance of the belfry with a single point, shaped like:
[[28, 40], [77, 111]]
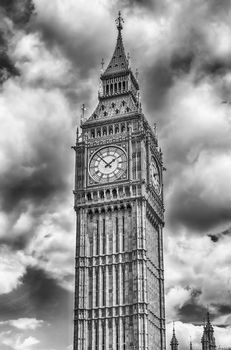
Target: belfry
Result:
[[119, 288]]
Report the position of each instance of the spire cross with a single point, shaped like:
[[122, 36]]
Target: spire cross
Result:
[[119, 22]]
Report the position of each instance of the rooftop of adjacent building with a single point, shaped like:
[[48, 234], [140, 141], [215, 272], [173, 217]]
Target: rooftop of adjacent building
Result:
[[207, 337]]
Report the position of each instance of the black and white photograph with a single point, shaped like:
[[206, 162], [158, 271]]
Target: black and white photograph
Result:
[[115, 175]]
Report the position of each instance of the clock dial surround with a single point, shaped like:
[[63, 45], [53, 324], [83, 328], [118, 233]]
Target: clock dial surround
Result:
[[155, 176], [108, 164]]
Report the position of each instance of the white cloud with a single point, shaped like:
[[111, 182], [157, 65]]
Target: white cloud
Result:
[[24, 323], [12, 268], [18, 341], [52, 246], [175, 299], [190, 262]]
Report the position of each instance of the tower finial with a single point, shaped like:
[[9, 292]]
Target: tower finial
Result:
[[119, 22]]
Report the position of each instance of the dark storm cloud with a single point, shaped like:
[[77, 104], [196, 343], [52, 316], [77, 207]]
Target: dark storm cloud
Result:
[[192, 313], [159, 81], [81, 48], [38, 296], [196, 213], [19, 12], [36, 188]]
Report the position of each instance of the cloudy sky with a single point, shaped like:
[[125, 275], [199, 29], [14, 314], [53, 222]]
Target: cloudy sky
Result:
[[50, 54]]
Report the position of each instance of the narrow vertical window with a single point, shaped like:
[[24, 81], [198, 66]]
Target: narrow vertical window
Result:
[[96, 336], [117, 336], [90, 287], [96, 287], [117, 285], [117, 235], [124, 335], [124, 284], [104, 237], [123, 235], [97, 237], [89, 334], [103, 336], [104, 288]]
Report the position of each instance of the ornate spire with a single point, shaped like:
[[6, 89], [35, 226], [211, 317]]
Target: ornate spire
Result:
[[119, 88], [174, 343], [208, 339], [119, 61]]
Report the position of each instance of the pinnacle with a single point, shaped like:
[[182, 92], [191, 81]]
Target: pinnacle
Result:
[[119, 61]]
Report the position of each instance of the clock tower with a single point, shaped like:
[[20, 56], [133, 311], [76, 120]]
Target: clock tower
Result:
[[119, 288]]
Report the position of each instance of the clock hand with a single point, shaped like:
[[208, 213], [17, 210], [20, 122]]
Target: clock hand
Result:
[[107, 164], [112, 160]]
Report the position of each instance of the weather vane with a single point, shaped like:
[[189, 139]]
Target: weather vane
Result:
[[119, 21]]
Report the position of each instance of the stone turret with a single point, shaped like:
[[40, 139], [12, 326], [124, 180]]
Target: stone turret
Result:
[[208, 340], [174, 342]]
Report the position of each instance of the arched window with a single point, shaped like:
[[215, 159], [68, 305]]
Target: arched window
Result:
[[114, 193], [115, 88], [124, 85], [120, 86], [116, 129], [108, 195], [104, 130], [98, 132], [122, 127], [127, 191], [110, 130], [89, 196], [111, 88], [92, 133]]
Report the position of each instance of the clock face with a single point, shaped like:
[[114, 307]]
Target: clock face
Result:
[[108, 164], [155, 176]]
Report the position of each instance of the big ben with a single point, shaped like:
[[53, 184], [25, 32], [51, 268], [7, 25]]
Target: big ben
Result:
[[119, 287]]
